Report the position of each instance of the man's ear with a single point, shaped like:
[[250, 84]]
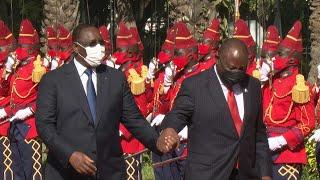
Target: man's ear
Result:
[[75, 48]]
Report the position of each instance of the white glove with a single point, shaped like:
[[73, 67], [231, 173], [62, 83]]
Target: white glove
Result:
[[46, 62], [120, 133], [315, 136], [318, 68], [9, 64], [265, 70], [3, 113], [276, 143], [22, 114], [148, 118], [152, 68], [54, 64], [183, 134], [109, 63], [168, 77], [157, 120]]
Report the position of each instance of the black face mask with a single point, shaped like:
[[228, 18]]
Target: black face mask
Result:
[[231, 77]]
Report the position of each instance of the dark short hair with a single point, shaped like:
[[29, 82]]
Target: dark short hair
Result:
[[76, 32]]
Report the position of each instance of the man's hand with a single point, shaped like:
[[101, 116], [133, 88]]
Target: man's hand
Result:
[[3, 113], [9, 64], [157, 120], [315, 136], [82, 163], [22, 114], [168, 140], [54, 64], [266, 178], [276, 143], [152, 68], [183, 134]]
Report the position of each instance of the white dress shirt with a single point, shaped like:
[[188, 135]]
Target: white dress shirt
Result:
[[238, 93], [83, 76]]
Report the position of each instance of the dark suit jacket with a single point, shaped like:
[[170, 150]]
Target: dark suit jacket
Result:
[[65, 124], [214, 145]]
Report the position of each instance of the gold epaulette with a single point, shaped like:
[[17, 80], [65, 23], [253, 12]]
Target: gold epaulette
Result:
[[144, 71], [38, 70], [300, 92], [256, 74], [136, 82]]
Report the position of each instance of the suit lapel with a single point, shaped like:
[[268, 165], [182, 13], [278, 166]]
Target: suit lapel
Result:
[[77, 89], [218, 98], [247, 105], [103, 84]]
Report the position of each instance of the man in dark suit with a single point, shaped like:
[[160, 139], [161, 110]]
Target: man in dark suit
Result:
[[222, 107], [79, 108]]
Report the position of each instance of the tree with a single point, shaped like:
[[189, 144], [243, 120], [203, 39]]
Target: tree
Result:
[[63, 12], [315, 39]]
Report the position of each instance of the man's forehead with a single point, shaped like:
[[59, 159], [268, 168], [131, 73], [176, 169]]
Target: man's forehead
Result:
[[89, 34]]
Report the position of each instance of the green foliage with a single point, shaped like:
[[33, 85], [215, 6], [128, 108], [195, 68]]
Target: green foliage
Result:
[[147, 170], [31, 9]]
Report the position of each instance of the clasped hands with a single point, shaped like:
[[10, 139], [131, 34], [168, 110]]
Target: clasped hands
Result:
[[168, 140]]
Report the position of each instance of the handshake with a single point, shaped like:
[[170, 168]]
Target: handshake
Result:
[[168, 140]]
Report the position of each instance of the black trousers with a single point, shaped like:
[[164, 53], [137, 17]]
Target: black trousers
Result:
[[26, 156]]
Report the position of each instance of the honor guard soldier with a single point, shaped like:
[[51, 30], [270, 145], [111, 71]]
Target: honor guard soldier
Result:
[[241, 31], [208, 48], [50, 61], [161, 103], [6, 47], [26, 74], [184, 64], [288, 109], [129, 60], [104, 32], [269, 50], [65, 45]]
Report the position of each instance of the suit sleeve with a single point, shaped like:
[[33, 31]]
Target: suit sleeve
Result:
[[133, 120], [182, 110], [46, 121], [263, 156]]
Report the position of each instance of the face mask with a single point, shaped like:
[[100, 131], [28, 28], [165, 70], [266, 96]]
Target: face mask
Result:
[[280, 63], [203, 49], [22, 53], [180, 62], [134, 58], [3, 56], [64, 55], [94, 54], [163, 57], [230, 78], [52, 53], [120, 57]]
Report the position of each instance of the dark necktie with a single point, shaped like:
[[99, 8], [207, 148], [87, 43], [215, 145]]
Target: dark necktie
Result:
[[91, 94]]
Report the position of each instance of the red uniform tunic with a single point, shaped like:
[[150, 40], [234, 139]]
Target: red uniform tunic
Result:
[[23, 93], [284, 117], [160, 102], [129, 144], [251, 67], [4, 101], [208, 62]]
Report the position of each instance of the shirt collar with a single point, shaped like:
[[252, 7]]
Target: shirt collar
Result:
[[81, 68]]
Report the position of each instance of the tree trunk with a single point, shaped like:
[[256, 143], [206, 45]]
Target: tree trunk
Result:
[[196, 13], [63, 12], [315, 38]]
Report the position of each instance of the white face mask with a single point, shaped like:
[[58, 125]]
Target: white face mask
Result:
[[94, 54]]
